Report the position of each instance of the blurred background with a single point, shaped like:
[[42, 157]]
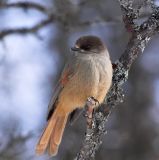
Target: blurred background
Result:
[[30, 66]]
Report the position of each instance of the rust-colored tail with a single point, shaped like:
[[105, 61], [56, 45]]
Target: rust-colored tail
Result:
[[52, 134]]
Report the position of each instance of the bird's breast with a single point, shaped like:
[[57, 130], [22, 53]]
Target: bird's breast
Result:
[[86, 81]]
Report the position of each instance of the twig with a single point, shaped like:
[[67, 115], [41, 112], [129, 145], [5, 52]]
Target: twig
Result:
[[129, 15], [51, 17], [25, 5], [34, 29]]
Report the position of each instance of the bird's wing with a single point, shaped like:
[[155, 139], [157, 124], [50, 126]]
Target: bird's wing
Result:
[[52, 104], [65, 76], [67, 73]]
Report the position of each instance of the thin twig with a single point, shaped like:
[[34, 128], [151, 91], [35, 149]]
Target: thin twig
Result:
[[25, 5], [34, 29]]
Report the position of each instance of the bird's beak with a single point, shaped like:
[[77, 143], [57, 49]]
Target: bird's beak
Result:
[[75, 49]]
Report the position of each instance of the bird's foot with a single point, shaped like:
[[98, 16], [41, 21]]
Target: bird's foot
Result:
[[92, 101], [90, 105]]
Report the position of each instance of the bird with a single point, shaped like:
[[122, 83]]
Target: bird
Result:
[[87, 73]]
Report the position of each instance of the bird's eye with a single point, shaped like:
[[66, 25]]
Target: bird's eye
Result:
[[86, 47]]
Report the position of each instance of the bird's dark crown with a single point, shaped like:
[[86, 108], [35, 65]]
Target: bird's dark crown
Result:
[[89, 43]]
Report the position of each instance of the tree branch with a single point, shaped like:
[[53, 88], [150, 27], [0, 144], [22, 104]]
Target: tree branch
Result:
[[141, 35], [34, 29], [25, 6], [51, 17]]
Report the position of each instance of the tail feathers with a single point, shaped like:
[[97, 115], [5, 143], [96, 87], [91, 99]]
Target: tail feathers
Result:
[[52, 134], [56, 136], [53, 149], [45, 137]]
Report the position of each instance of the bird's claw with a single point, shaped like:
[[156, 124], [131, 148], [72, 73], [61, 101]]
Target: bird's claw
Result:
[[90, 104], [91, 101]]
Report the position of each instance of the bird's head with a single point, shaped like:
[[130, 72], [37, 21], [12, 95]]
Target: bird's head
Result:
[[89, 45]]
